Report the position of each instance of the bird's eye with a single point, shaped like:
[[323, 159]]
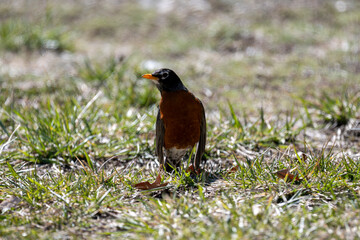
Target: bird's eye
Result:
[[165, 75]]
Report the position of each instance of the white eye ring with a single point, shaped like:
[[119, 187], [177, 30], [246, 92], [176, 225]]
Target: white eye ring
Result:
[[165, 75]]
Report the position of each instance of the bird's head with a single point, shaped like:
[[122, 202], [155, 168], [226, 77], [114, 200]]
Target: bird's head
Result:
[[166, 80]]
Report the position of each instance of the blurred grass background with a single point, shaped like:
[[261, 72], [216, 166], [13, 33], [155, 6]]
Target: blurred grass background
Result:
[[249, 52], [266, 61]]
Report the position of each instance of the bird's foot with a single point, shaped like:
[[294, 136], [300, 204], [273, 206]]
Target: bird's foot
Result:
[[193, 170]]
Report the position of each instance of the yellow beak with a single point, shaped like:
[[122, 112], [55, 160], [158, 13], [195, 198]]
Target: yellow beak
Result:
[[150, 76]]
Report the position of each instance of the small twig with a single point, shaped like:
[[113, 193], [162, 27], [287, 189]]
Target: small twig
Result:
[[103, 197], [9, 140], [102, 165], [87, 106], [60, 197]]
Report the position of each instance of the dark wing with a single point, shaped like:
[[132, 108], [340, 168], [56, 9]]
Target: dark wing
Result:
[[160, 133], [202, 141]]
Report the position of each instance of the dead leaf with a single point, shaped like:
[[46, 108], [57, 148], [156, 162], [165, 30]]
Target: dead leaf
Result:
[[147, 185], [233, 169], [304, 157], [285, 172]]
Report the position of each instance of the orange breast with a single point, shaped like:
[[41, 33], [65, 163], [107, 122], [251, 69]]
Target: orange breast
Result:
[[181, 113]]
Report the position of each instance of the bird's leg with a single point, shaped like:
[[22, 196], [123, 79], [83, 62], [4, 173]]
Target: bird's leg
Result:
[[169, 166], [161, 169]]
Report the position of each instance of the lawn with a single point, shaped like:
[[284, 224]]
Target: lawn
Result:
[[280, 82]]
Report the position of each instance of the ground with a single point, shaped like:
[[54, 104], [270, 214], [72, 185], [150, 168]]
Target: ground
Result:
[[280, 85]]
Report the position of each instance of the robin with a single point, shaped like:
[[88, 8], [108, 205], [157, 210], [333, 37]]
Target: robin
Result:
[[180, 122]]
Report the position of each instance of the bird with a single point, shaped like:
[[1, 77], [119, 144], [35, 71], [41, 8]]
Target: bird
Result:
[[180, 122]]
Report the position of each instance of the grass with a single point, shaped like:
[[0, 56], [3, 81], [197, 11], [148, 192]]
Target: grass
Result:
[[280, 89], [253, 202], [117, 82], [56, 133], [265, 133], [336, 112], [17, 36]]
